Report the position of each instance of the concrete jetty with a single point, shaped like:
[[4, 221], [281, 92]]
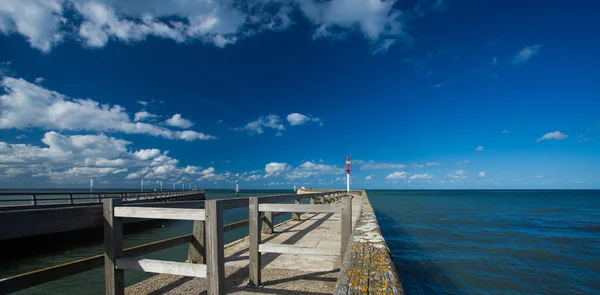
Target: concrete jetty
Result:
[[336, 247]]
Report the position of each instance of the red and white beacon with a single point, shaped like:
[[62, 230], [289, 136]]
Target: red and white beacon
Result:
[[348, 168]]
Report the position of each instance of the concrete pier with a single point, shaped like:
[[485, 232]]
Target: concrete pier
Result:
[[281, 273]]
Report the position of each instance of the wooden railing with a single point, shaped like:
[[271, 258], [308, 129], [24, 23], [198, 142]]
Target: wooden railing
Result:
[[67, 199], [197, 241], [258, 205]]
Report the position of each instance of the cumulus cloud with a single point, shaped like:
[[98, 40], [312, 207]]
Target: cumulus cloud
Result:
[[370, 177], [526, 54], [459, 174], [178, 121], [479, 149], [312, 169], [481, 174], [372, 165], [39, 80], [397, 175], [75, 158], [143, 115], [553, 135], [257, 126], [299, 119], [27, 105], [46, 23], [423, 176], [274, 168]]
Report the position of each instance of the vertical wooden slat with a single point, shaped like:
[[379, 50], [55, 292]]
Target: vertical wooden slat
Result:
[[71, 198], [215, 247], [296, 216], [197, 251], [34, 198], [346, 224], [267, 225], [113, 248], [254, 241]]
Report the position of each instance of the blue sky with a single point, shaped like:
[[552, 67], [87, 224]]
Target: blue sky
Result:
[[424, 94]]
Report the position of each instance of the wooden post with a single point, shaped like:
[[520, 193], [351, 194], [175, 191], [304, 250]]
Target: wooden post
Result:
[[267, 226], [215, 248], [71, 198], [114, 283], [296, 216], [197, 250], [346, 224], [254, 230], [34, 198]]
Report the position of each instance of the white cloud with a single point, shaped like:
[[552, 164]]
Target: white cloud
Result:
[[45, 23], [370, 177], [465, 162], [481, 174], [371, 165], [39, 80], [178, 121], [384, 45], [143, 115], [142, 102], [310, 169], [459, 174], [526, 54], [423, 176], [431, 164], [397, 175], [479, 149], [256, 127], [274, 168], [415, 165], [553, 135], [27, 105], [299, 119], [504, 131], [75, 158]]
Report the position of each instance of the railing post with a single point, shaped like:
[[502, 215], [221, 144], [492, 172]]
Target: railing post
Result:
[[254, 229], [71, 198], [346, 225], [267, 224], [99, 199], [296, 216], [197, 250], [34, 199], [214, 247], [114, 283]]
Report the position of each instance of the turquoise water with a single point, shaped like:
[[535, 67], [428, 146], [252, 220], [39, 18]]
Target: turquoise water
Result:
[[493, 242]]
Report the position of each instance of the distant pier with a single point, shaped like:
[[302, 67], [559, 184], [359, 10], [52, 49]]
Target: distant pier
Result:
[[33, 214]]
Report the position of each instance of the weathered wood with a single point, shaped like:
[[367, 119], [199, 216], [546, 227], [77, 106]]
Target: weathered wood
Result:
[[165, 267], [156, 246], [295, 215], [346, 224], [197, 250], [367, 266], [114, 281], [254, 241], [267, 225], [160, 213], [294, 249], [215, 248], [299, 208]]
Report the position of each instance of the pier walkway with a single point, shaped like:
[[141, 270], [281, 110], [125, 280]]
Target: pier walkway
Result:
[[281, 273]]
